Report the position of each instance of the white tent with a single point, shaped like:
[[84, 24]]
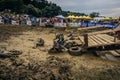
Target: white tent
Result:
[[60, 16], [98, 18]]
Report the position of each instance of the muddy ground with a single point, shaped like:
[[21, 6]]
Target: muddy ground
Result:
[[36, 64]]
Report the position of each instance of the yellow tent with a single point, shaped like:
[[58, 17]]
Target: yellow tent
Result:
[[115, 18], [71, 16], [80, 17], [83, 17], [88, 17], [76, 17], [107, 18]]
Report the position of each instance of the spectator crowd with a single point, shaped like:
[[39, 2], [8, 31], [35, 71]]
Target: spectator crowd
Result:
[[24, 19]]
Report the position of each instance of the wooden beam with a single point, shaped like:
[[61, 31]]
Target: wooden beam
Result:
[[114, 53], [104, 31], [113, 43], [118, 34], [86, 40]]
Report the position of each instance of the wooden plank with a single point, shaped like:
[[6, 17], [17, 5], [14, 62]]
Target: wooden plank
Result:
[[94, 39], [109, 37], [105, 38], [100, 32], [104, 31], [114, 53], [91, 42], [86, 40], [77, 41], [99, 39], [107, 55], [118, 51], [111, 57], [118, 33], [81, 38], [118, 42]]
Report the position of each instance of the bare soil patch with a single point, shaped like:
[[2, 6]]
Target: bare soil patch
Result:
[[36, 64]]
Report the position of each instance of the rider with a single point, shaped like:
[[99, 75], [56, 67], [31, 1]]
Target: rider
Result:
[[59, 41]]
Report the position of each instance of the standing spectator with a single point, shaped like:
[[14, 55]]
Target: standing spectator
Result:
[[1, 20], [33, 21]]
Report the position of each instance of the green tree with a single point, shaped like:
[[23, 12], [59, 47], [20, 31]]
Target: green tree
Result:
[[14, 5], [67, 13], [51, 11], [31, 10], [94, 14], [26, 2], [36, 8]]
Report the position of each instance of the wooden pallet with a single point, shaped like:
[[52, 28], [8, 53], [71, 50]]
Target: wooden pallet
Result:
[[101, 38]]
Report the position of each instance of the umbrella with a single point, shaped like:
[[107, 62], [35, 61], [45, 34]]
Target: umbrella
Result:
[[60, 16]]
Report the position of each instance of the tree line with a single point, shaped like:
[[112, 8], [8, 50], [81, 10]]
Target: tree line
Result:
[[38, 8]]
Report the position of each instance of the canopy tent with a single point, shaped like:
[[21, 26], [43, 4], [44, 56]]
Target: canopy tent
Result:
[[60, 16], [115, 18], [80, 17], [107, 18], [71, 16], [83, 17], [99, 18], [88, 17], [77, 17]]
